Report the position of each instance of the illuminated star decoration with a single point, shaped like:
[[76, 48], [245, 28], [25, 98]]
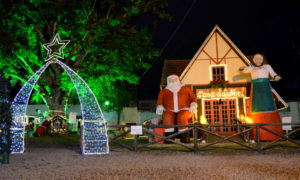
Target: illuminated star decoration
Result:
[[55, 47]]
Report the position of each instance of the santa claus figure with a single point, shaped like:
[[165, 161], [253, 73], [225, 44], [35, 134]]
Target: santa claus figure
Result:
[[41, 130], [176, 103]]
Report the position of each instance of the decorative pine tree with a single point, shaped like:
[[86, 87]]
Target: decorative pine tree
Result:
[[5, 120]]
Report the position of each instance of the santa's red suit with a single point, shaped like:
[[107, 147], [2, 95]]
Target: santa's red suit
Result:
[[176, 102], [42, 129]]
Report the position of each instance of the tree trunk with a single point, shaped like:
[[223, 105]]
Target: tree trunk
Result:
[[119, 117], [57, 98], [56, 103]]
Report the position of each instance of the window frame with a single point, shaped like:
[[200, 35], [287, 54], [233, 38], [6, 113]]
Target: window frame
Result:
[[211, 67]]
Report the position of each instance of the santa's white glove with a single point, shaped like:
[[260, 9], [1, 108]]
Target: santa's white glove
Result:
[[159, 109], [193, 107]]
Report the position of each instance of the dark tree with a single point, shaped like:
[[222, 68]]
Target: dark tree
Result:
[[5, 119]]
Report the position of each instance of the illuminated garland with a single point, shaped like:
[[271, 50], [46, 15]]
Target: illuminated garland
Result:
[[94, 132], [19, 107], [5, 118]]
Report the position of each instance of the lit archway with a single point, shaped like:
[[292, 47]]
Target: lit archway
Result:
[[94, 133]]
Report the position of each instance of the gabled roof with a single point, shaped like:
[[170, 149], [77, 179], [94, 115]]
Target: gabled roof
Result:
[[226, 38], [172, 67], [58, 116], [181, 67]]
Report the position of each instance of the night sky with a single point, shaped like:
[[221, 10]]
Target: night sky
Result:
[[268, 27]]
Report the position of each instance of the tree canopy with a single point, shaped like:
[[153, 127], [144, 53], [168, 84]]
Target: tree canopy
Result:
[[106, 48]]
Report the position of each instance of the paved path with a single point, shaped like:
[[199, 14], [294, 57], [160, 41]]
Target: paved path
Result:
[[60, 163]]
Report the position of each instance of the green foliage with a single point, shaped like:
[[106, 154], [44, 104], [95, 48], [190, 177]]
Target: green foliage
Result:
[[114, 22], [105, 49]]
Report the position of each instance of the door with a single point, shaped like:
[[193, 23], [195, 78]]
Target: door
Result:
[[221, 112]]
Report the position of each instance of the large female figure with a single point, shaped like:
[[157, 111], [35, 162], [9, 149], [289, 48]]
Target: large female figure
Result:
[[262, 107]]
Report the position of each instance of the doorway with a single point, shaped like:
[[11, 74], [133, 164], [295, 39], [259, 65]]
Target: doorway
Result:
[[221, 112]]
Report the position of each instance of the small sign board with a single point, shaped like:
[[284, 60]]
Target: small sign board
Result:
[[287, 119], [221, 93], [136, 130]]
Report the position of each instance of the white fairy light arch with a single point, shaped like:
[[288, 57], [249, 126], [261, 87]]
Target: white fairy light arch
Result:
[[94, 133]]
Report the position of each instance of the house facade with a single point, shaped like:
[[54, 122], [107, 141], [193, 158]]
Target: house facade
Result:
[[222, 92]]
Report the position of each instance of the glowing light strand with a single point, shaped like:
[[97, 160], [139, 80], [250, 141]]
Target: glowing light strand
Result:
[[19, 107], [94, 132], [5, 116], [50, 47]]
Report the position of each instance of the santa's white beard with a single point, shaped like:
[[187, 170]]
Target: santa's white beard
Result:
[[174, 87]]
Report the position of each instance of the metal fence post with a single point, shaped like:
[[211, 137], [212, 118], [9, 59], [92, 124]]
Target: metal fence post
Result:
[[196, 137], [258, 138]]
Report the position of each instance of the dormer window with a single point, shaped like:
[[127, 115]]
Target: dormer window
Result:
[[218, 73]]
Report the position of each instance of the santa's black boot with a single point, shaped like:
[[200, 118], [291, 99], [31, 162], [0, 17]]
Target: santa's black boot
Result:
[[185, 137], [168, 134]]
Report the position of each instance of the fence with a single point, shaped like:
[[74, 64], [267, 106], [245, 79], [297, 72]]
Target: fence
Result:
[[243, 132]]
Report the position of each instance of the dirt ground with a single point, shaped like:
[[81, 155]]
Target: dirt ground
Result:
[[60, 163]]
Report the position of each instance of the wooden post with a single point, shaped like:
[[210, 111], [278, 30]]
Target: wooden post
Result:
[[27, 128], [248, 135], [135, 143], [5, 158], [195, 137], [258, 138]]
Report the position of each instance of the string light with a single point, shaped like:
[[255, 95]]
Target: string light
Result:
[[19, 107], [55, 47], [4, 121], [94, 132]]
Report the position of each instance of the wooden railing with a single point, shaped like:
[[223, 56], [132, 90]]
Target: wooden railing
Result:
[[244, 131]]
